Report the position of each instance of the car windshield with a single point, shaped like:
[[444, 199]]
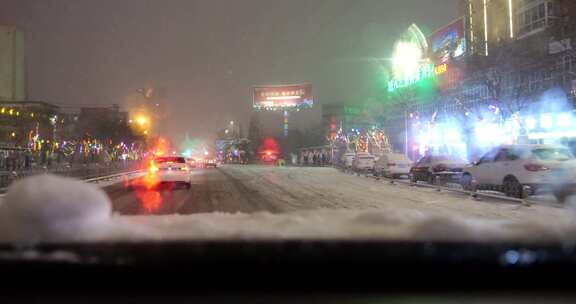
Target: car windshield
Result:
[[559, 154], [187, 120]]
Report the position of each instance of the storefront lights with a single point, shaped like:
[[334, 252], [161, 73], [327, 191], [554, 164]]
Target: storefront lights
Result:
[[546, 121], [564, 120], [530, 123]]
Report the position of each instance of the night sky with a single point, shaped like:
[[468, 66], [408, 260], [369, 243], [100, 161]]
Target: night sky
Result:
[[207, 54]]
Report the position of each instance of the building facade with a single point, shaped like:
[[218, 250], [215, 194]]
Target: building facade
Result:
[[12, 65], [510, 78]]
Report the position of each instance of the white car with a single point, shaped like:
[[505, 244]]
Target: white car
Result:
[[437, 169], [347, 159], [520, 170], [363, 161], [170, 169], [392, 165]]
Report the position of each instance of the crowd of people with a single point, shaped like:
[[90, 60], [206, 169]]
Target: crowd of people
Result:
[[15, 159], [315, 157]]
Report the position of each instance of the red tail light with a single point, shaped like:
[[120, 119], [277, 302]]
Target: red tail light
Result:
[[391, 164], [440, 168], [535, 167]]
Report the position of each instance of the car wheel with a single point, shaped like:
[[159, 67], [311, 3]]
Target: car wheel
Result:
[[466, 182], [512, 188], [562, 194], [413, 178], [431, 179]]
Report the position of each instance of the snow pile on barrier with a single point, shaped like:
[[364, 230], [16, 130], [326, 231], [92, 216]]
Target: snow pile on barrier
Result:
[[48, 208]]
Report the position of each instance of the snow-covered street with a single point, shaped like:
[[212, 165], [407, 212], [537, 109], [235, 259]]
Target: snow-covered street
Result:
[[249, 189]]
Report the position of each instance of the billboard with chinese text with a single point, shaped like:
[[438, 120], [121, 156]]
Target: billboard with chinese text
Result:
[[283, 97], [448, 42]]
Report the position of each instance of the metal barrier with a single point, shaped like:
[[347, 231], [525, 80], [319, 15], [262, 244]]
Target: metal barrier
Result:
[[92, 180], [473, 194], [84, 172]]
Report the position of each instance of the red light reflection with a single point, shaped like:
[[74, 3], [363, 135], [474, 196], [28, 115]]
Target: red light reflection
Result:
[[151, 200]]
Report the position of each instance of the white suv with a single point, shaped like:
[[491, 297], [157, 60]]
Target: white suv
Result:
[[519, 170], [392, 165]]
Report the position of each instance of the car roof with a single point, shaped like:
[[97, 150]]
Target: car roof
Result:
[[530, 146]]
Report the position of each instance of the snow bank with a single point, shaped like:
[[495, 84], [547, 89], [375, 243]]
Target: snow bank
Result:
[[51, 208], [330, 224]]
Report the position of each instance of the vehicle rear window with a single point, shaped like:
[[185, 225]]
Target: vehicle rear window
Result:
[[397, 157], [553, 154], [444, 158], [179, 160]]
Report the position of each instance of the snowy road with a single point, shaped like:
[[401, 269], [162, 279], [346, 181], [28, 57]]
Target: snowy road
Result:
[[249, 189]]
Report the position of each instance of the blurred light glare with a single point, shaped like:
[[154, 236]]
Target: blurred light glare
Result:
[[141, 120], [564, 120], [406, 59], [530, 123], [546, 121]]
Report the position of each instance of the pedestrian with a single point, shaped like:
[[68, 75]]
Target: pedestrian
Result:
[[305, 158], [27, 160], [323, 159]]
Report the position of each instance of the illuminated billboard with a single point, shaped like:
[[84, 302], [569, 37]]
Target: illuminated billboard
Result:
[[448, 42], [282, 97]]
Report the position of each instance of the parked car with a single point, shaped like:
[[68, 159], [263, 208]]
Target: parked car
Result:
[[520, 170], [191, 162], [210, 163], [392, 165], [347, 159], [363, 162], [437, 169]]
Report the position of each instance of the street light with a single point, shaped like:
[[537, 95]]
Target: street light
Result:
[[141, 120], [226, 131], [232, 122]]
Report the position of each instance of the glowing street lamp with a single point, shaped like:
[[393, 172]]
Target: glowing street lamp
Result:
[[141, 120]]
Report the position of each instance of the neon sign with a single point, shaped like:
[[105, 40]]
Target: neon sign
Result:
[[427, 71], [441, 69]]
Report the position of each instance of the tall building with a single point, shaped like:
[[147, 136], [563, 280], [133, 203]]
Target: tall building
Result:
[[492, 23], [12, 65]]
